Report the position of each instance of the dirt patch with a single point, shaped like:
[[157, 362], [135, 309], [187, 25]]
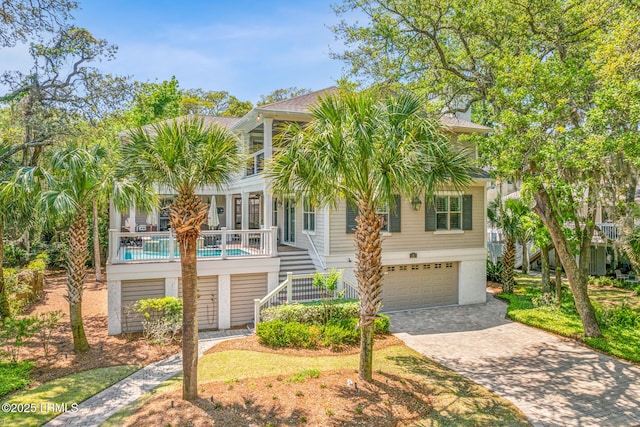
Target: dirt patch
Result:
[[334, 398], [105, 350], [494, 287]]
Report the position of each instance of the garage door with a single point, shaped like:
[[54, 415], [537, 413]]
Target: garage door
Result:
[[419, 285], [132, 291], [207, 301], [244, 289]]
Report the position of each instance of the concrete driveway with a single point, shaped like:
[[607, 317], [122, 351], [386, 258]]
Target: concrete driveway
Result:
[[554, 381]]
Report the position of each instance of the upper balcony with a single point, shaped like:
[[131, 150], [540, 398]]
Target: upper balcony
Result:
[[144, 247]]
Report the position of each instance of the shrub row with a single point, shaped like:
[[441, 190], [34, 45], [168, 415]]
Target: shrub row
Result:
[[336, 333], [313, 313]]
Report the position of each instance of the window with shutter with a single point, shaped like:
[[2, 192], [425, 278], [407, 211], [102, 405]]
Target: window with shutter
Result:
[[449, 213]]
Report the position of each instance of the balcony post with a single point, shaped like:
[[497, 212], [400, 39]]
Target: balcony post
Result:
[[274, 241], [256, 312], [114, 246], [171, 246], [223, 243], [289, 287]]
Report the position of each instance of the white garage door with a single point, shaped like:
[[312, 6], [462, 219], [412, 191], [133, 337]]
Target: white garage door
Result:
[[419, 285]]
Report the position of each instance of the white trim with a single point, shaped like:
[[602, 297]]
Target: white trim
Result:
[[114, 304], [448, 232], [224, 301], [327, 230]]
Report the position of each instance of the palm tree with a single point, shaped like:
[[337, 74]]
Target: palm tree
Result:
[[365, 150], [184, 155], [67, 184], [508, 217]]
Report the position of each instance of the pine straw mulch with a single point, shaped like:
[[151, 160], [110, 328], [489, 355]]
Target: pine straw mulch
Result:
[[106, 350]]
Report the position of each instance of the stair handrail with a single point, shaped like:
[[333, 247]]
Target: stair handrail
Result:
[[315, 251]]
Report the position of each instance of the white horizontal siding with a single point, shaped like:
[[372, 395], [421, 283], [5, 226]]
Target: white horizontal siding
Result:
[[244, 289], [133, 291], [207, 301]]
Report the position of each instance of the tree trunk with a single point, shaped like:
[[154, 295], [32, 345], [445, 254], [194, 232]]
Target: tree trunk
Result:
[[525, 258], [578, 280], [97, 264], [546, 271], [558, 278], [76, 274], [4, 301], [187, 213], [369, 276], [508, 265]]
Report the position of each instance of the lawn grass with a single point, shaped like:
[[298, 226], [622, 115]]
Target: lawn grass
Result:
[[66, 390], [620, 340], [457, 400], [14, 376]]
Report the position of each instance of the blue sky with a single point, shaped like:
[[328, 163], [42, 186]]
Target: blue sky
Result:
[[247, 48]]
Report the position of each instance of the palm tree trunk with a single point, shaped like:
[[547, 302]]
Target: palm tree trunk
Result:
[[508, 264], [189, 318], [76, 273], [4, 301], [578, 277], [369, 276], [187, 215], [96, 243]]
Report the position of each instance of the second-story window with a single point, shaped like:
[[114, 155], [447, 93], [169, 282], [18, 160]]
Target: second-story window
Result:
[[308, 215], [449, 212], [384, 213]]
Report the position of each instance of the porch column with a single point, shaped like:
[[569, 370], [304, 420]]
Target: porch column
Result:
[[115, 218], [245, 211], [272, 280], [229, 211], [114, 304], [132, 217], [268, 138], [224, 301], [267, 209]]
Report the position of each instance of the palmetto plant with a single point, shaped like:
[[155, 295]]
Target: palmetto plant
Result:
[[66, 187], [508, 216], [365, 150], [184, 155]]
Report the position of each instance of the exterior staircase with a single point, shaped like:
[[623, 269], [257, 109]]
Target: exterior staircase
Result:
[[294, 260]]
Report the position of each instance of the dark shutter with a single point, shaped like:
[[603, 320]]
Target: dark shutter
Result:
[[352, 212], [394, 215], [430, 215], [467, 212]]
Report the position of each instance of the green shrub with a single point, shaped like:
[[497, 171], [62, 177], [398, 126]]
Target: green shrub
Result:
[[271, 333], [311, 313], [494, 271], [57, 254], [14, 255], [382, 324], [14, 376], [606, 281], [618, 315], [339, 333], [15, 333], [300, 335], [162, 318]]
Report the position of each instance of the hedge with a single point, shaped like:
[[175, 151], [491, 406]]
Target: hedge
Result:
[[312, 313]]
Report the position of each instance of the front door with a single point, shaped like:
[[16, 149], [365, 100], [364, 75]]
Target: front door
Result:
[[237, 213], [289, 221]]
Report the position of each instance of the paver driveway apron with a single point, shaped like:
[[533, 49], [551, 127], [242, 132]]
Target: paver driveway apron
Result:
[[554, 381]]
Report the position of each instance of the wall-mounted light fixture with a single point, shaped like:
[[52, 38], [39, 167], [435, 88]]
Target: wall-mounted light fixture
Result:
[[416, 203]]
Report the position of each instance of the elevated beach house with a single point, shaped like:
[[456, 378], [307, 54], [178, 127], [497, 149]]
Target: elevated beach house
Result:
[[433, 253]]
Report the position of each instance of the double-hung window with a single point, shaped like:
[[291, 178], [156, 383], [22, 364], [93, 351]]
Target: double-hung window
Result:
[[384, 214], [449, 213], [308, 216]]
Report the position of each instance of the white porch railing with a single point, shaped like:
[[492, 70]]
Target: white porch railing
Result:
[[299, 288], [125, 247]]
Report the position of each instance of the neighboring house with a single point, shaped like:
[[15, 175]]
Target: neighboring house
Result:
[[433, 253]]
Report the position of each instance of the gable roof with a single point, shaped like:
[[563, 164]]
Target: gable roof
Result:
[[298, 104]]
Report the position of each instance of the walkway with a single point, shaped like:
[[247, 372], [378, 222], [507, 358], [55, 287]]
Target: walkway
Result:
[[554, 381], [95, 410]]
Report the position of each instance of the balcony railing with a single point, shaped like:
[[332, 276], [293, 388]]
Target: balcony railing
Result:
[[125, 247]]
